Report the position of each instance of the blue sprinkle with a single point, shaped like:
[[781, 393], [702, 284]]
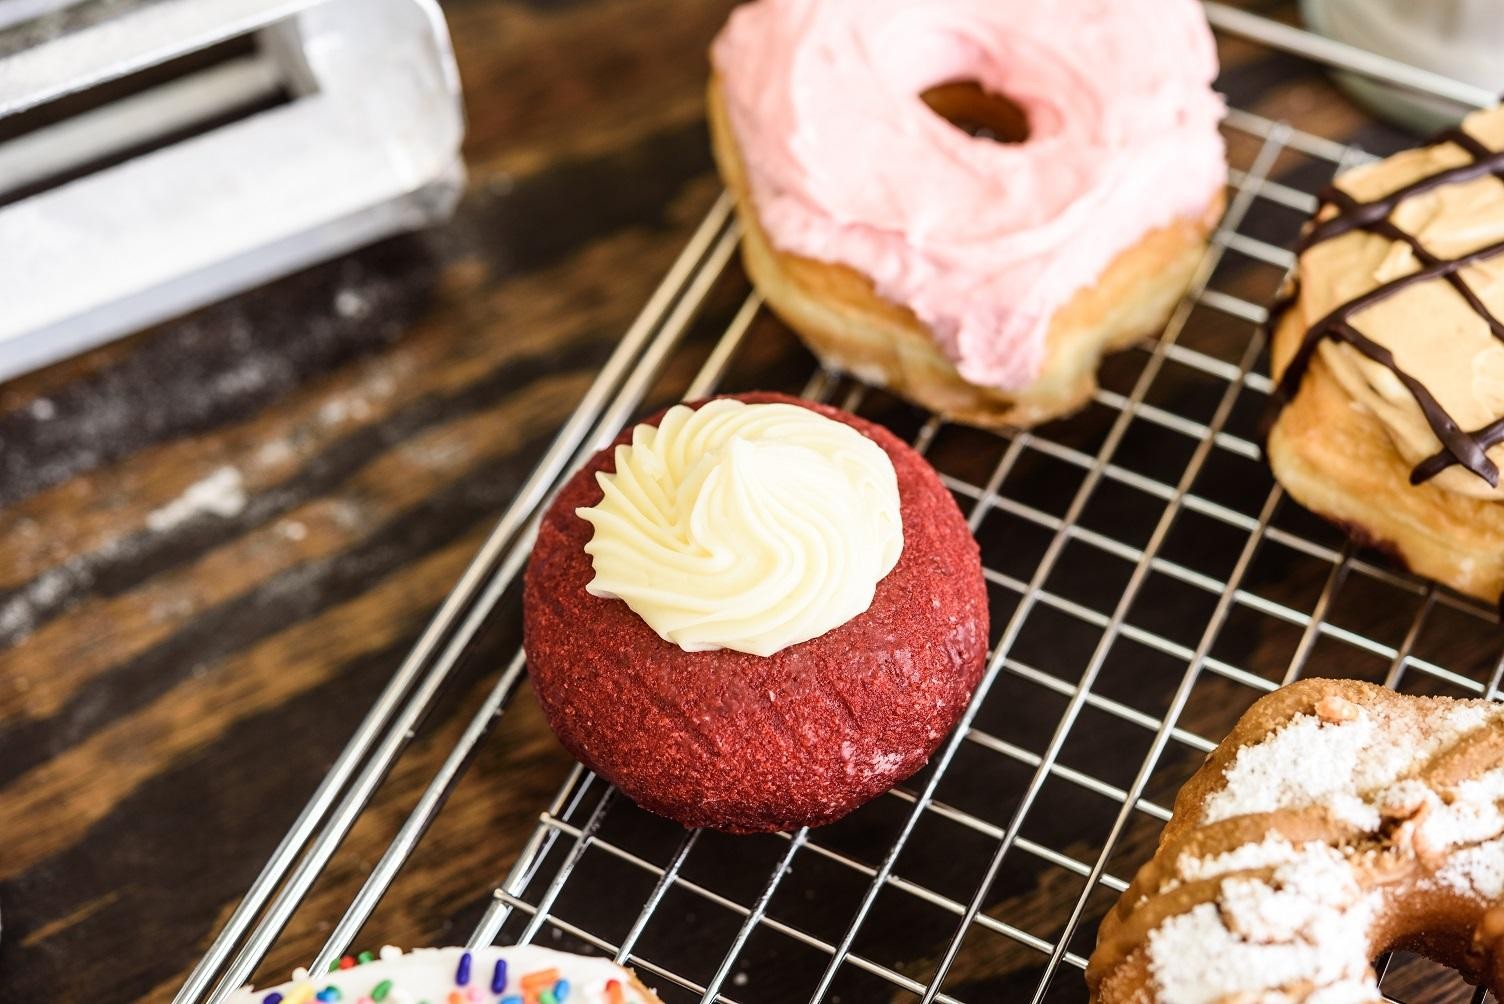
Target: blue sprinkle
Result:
[[272, 998], [561, 990], [499, 977], [514, 999], [462, 974], [327, 994]]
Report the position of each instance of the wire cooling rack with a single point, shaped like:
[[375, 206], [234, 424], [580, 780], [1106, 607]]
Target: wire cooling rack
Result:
[[1148, 581]]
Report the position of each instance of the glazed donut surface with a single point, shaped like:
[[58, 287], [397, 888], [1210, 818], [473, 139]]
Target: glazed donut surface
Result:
[[1388, 351]]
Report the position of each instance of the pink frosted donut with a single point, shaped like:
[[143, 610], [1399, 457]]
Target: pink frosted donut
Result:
[[983, 241]]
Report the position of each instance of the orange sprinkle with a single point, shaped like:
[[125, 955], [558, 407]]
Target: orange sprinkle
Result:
[[613, 993], [543, 979]]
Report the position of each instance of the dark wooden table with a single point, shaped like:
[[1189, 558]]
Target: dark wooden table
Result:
[[174, 681], [172, 687]]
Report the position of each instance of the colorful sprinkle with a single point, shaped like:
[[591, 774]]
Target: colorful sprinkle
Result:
[[541, 986], [542, 979], [499, 977]]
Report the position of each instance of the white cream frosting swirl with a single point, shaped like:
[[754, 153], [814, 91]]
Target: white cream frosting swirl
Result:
[[751, 527]]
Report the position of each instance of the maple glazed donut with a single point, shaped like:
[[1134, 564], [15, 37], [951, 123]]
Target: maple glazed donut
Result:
[[1388, 414], [754, 613], [982, 279], [1337, 821]]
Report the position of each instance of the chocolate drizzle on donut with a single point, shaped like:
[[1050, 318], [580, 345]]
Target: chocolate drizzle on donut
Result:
[[1459, 446]]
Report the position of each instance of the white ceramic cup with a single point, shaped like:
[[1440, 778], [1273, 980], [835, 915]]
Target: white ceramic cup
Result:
[[1459, 38]]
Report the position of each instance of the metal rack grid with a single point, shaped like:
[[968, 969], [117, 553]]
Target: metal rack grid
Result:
[[1148, 582]]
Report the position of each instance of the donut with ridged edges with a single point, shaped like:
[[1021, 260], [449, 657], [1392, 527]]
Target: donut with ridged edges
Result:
[[1338, 821], [747, 743]]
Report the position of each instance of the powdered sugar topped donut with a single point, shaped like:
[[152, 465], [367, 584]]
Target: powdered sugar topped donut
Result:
[[982, 240], [1338, 821]]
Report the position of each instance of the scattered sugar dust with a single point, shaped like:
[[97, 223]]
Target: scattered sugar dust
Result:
[[222, 494], [18, 614], [239, 363], [351, 303]]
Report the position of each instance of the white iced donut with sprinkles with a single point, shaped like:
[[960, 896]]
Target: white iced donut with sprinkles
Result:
[[525, 974]]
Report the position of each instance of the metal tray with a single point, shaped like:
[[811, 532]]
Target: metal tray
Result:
[[1148, 582]]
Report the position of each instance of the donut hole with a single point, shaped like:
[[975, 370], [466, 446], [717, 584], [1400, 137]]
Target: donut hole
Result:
[[1436, 924], [978, 112]]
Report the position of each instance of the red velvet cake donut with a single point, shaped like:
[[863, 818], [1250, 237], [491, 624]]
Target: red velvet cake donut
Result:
[[746, 742]]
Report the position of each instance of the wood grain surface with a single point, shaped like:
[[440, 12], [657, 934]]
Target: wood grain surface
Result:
[[219, 536]]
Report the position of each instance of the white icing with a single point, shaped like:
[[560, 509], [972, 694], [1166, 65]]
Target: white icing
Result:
[[1310, 925], [1309, 762], [1469, 814], [428, 974], [751, 527], [1269, 853], [1476, 871]]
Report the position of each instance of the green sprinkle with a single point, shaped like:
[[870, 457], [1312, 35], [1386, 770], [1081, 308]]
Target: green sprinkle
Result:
[[381, 990], [547, 997], [365, 957], [333, 965]]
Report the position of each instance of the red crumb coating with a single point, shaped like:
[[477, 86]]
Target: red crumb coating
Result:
[[746, 743]]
